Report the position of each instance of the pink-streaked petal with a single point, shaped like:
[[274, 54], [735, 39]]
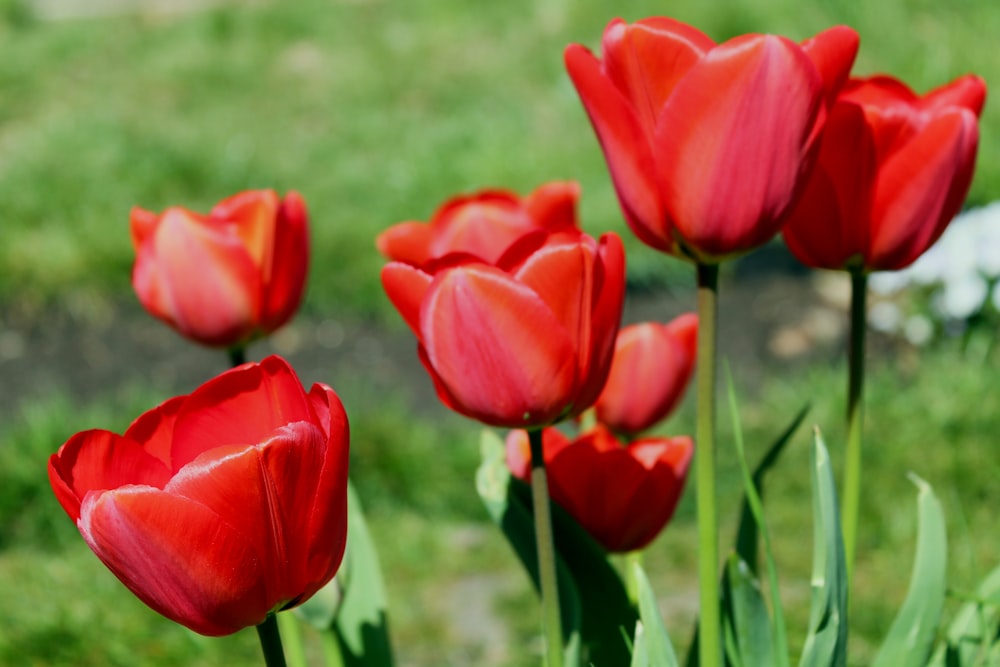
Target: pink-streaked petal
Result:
[[179, 557], [483, 225], [406, 286], [497, 347], [626, 148], [645, 61], [242, 406], [251, 215], [921, 188], [268, 493], [518, 450], [100, 460], [199, 279], [732, 143]]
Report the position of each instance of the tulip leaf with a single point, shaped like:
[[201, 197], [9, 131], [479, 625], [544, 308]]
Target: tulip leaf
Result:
[[912, 634], [746, 623], [752, 502], [657, 646], [973, 637], [826, 641], [596, 611], [352, 607], [640, 652], [747, 533]]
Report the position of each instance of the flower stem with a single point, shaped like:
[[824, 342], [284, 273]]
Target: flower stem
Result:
[[270, 642], [855, 417], [552, 622], [237, 356], [709, 620], [631, 585]]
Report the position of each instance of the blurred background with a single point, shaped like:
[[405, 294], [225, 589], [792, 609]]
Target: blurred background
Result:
[[377, 112]]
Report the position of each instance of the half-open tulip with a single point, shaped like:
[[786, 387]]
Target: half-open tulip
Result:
[[484, 224], [224, 278], [652, 367], [707, 143], [622, 495], [220, 507], [893, 170], [522, 343]]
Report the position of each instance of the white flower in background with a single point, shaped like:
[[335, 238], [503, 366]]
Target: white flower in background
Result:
[[961, 298], [918, 329]]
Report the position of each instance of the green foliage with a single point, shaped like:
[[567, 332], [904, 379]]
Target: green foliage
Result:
[[652, 644]]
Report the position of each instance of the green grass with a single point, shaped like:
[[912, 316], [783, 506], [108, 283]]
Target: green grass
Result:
[[376, 111]]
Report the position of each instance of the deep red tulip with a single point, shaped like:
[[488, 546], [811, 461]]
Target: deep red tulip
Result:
[[522, 343], [652, 366], [893, 170], [483, 224], [707, 143], [623, 495], [218, 507], [224, 278]]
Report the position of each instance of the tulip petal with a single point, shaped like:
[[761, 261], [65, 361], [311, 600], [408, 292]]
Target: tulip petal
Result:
[[178, 556], [242, 406], [831, 222], [732, 140], [197, 278], [646, 60], [155, 429], [922, 187], [832, 52], [626, 148], [406, 286], [967, 91], [283, 288], [252, 214], [268, 493], [553, 205], [99, 460], [407, 242], [498, 347], [142, 224]]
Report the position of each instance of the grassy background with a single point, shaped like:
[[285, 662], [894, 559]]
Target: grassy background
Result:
[[377, 112]]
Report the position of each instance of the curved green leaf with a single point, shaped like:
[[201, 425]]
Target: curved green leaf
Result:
[[912, 634], [745, 619], [826, 642], [974, 634], [657, 644]]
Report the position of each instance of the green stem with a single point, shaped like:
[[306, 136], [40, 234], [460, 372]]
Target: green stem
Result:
[[855, 417], [270, 642], [709, 619], [552, 623], [631, 585], [331, 649], [237, 355], [288, 625]]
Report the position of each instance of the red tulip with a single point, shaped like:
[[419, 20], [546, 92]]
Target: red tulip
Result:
[[893, 170], [523, 343], [652, 366], [219, 507], [622, 495], [483, 224], [707, 143], [228, 277]]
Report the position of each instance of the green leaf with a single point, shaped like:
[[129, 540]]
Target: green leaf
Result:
[[640, 653], [745, 619], [779, 639], [975, 631], [596, 612], [657, 642], [826, 641], [747, 533], [352, 607], [912, 634]]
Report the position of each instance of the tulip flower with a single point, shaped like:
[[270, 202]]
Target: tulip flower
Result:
[[622, 495], [483, 224], [893, 170], [221, 507], [224, 278], [652, 366], [522, 343], [707, 143]]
